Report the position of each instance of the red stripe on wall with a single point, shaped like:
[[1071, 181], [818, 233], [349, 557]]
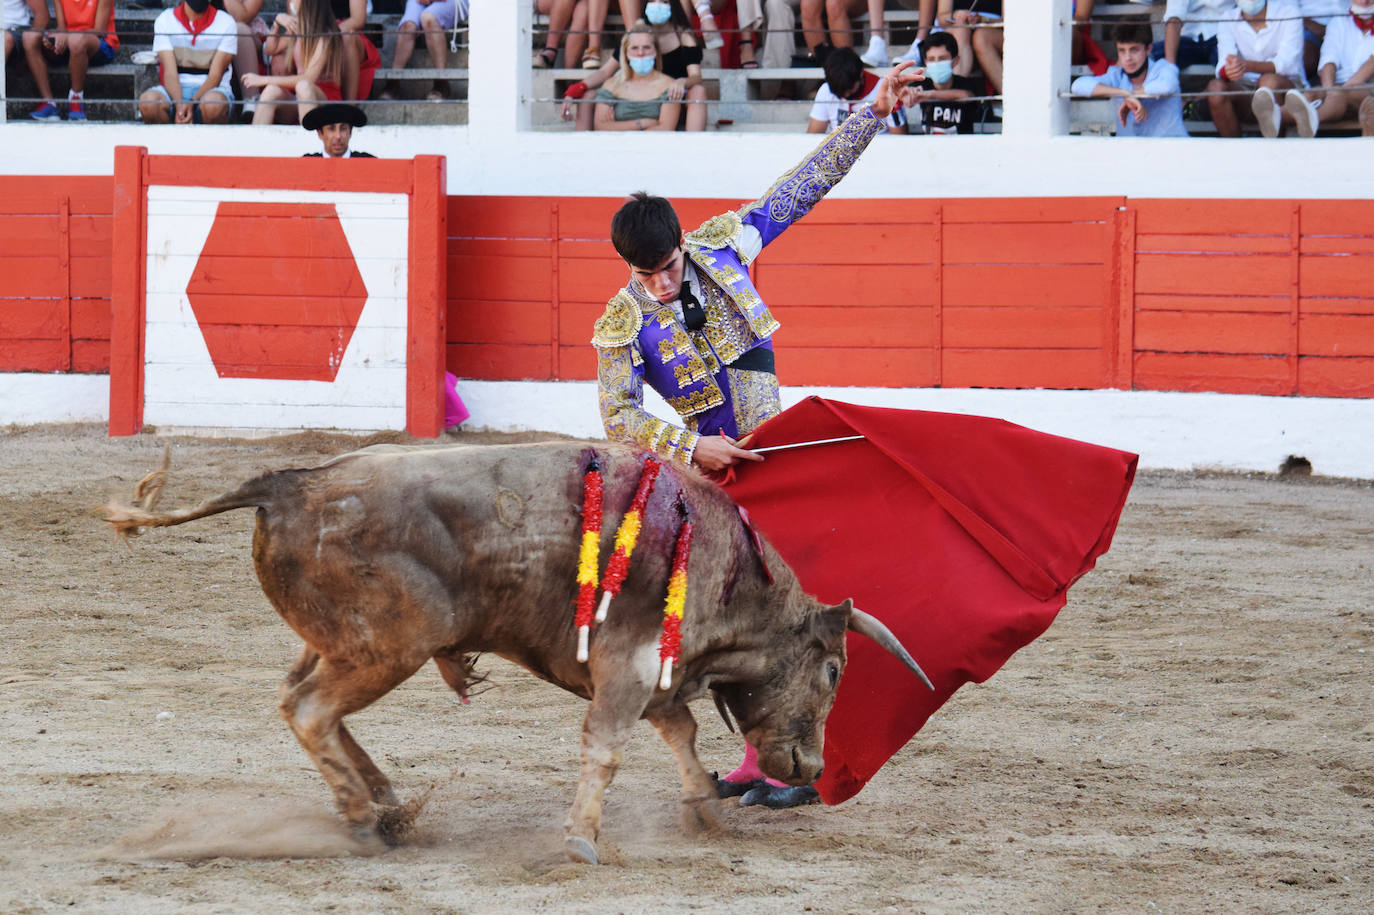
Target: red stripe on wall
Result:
[[1192, 295]]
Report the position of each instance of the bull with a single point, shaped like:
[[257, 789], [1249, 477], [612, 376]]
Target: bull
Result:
[[385, 558]]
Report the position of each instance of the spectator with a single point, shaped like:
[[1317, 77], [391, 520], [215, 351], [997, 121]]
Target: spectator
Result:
[[942, 93], [248, 51], [847, 88], [324, 62], [85, 37], [775, 20], [563, 14], [1261, 49], [1136, 74], [1317, 15], [679, 55], [334, 125], [25, 21], [1347, 63], [816, 15], [351, 15], [960, 18], [436, 17], [195, 46], [596, 24], [1190, 31], [636, 98]]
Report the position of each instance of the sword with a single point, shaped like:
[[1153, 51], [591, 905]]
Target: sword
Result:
[[820, 441]]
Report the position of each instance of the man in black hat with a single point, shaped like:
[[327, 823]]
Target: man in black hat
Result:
[[334, 124]]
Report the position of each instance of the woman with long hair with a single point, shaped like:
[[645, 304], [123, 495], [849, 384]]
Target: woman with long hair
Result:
[[637, 97], [325, 64], [680, 56]]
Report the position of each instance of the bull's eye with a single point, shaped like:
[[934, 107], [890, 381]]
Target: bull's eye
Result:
[[832, 670]]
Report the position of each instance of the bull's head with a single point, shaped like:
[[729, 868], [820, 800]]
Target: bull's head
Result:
[[783, 713]]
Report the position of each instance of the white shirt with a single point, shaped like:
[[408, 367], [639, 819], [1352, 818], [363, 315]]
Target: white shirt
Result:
[[1199, 9], [17, 13], [221, 35], [832, 109], [1279, 42], [1346, 47]]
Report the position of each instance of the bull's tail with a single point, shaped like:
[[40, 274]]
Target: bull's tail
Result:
[[128, 519]]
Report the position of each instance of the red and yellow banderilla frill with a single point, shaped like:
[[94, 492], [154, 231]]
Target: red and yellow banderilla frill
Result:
[[670, 643], [625, 537], [589, 557]]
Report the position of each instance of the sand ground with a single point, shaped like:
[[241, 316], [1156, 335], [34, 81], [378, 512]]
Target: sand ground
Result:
[[1194, 733]]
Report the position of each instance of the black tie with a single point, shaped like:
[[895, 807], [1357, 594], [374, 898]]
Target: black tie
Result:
[[693, 315]]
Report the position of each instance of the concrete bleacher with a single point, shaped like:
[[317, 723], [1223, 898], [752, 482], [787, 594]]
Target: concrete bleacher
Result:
[[112, 89]]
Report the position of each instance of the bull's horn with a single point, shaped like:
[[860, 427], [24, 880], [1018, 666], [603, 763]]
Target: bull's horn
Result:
[[869, 625]]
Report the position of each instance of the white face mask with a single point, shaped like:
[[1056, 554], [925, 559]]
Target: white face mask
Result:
[[1363, 12], [657, 12], [1251, 7]]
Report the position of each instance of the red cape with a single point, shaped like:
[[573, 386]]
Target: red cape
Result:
[[961, 533]]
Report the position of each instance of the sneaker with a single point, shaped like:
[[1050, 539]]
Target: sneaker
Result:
[[76, 109], [912, 54], [1367, 116], [1266, 111], [46, 112], [1303, 111], [876, 55]]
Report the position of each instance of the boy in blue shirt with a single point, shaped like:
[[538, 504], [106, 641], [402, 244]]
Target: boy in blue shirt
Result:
[[1148, 89]]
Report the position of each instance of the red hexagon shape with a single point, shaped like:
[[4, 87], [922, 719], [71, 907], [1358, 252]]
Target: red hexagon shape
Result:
[[276, 291]]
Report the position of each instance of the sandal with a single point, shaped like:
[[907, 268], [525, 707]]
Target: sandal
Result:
[[591, 58], [544, 60], [440, 92], [751, 63]]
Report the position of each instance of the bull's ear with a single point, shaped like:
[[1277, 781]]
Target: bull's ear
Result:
[[865, 624], [830, 623]]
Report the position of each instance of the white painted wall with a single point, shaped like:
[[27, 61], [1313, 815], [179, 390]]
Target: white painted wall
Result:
[[496, 154]]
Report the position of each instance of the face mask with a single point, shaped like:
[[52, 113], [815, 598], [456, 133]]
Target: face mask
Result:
[[198, 6], [942, 71], [642, 66], [1364, 12], [1143, 67], [657, 13], [1251, 7]]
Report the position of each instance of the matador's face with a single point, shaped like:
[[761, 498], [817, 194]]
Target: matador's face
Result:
[[663, 281]]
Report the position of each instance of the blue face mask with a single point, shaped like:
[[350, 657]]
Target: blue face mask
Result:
[[657, 12], [941, 71], [642, 66], [1251, 7]]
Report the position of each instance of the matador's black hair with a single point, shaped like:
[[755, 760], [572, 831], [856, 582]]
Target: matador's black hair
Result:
[[645, 230]]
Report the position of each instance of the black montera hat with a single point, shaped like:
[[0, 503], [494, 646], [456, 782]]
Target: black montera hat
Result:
[[334, 113]]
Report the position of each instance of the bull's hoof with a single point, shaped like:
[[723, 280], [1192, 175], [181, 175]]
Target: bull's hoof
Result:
[[700, 815], [580, 850], [726, 788], [393, 822], [786, 796]]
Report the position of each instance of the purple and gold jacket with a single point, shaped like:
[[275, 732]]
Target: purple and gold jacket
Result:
[[638, 339]]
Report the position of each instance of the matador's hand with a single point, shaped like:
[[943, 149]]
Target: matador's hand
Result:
[[890, 89], [717, 452]]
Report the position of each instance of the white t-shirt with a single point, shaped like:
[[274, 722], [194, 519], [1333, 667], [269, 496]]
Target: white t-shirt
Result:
[[195, 52], [17, 14], [1279, 42], [1199, 9], [1346, 47], [832, 109]]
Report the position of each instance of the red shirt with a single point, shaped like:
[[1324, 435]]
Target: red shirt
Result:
[[80, 16]]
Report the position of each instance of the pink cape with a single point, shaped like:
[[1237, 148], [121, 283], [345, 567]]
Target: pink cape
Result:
[[961, 533]]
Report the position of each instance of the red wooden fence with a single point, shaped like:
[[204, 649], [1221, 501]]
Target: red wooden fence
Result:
[[1261, 297]]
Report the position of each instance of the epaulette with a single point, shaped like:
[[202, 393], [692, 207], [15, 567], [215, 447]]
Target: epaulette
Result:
[[717, 232], [619, 323]]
